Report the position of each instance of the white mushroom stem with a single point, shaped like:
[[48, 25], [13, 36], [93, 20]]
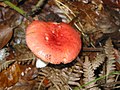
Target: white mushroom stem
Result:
[[40, 63]]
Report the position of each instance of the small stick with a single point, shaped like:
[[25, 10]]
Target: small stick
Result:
[[38, 5], [86, 49]]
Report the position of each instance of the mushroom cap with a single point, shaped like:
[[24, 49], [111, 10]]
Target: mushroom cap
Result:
[[53, 42]]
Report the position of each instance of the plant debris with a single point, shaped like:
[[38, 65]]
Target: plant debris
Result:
[[97, 67]]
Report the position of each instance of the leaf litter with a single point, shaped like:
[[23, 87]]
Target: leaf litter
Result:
[[97, 20]]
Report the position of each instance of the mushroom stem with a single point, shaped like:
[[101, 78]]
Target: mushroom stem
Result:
[[40, 63]]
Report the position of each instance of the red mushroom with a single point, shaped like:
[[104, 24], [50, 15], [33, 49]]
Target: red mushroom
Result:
[[53, 42]]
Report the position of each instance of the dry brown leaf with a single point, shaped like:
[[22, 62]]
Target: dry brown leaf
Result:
[[28, 73], [5, 34], [18, 75], [10, 76]]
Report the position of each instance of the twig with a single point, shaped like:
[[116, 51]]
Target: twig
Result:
[[37, 7], [86, 49]]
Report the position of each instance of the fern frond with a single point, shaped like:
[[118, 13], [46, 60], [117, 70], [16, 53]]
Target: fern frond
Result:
[[73, 74], [27, 58], [6, 64], [110, 64], [89, 75], [61, 79], [99, 59], [57, 81]]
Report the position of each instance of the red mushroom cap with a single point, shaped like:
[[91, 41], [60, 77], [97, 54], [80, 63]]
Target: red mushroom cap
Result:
[[53, 42]]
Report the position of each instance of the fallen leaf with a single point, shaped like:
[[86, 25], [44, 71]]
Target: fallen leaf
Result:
[[10, 76], [5, 34]]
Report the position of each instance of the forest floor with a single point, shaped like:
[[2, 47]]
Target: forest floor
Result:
[[97, 67]]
